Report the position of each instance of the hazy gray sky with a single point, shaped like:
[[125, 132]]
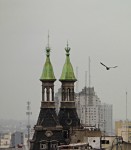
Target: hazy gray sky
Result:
[[100, 29]]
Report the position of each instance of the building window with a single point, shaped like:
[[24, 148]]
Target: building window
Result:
[[105, 142], [43, 146], [54, 146]]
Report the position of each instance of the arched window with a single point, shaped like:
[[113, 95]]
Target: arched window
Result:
[[50, 96], [63, 96], [68, 94], [45, 94], [43, 146], [54, 144]]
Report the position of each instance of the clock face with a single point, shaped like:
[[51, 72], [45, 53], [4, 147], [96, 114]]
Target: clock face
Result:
[[94, 142], [48, 133], [68, 120]]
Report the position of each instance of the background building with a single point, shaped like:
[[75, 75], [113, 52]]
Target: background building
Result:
[[123, 128], [5, 140], [106, 121], [17, 138], [92, 112]]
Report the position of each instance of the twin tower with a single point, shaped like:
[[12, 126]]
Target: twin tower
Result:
[[51, 129]]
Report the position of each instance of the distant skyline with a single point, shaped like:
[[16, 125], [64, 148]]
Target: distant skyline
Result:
[[96, 28]]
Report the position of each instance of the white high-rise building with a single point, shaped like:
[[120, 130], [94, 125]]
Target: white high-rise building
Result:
[[87, 104], [92, 112]]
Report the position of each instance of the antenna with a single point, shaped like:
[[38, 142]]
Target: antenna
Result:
[[104, 121], [89, 73], [85, 78], [48, 38], [90, 97], [28, 113], [127, 121], [126, 105], [85, 97]]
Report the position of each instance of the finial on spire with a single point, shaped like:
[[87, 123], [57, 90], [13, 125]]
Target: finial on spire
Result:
[[67, 49], [48, 47]]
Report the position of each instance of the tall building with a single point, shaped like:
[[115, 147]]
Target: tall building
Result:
[[92, 112], [106, 119], [88, 110]]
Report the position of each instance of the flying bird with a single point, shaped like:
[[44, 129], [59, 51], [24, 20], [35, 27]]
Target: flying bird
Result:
[[107, 68]]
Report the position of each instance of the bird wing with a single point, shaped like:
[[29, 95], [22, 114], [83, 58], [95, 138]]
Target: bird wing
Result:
[[114, 67], [103, 64]]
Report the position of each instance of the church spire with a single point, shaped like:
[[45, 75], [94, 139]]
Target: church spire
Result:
[[68, 117], [48, 73], [67, 72]]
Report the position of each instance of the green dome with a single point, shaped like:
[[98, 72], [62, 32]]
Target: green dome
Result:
[[67, 72], [47, 73]]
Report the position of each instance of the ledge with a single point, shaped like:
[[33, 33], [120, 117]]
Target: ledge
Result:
[[47, 104]]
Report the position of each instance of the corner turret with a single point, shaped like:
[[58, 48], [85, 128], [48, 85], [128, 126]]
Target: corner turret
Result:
[[67, 115]]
